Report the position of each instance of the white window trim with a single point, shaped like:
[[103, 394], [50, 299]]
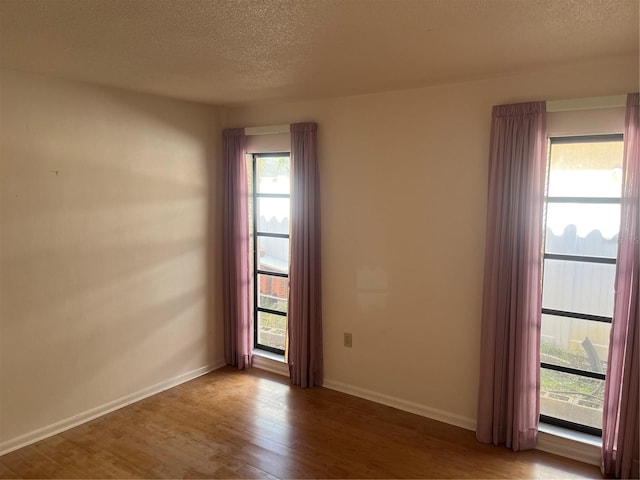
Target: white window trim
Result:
[[569, 443], [271, 362]]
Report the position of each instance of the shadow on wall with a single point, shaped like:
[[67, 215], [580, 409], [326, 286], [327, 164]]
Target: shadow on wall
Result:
[[136, 343], [215, 328], [109, 245]]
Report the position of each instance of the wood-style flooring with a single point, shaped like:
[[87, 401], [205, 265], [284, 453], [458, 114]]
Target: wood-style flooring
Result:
[[231, 424]]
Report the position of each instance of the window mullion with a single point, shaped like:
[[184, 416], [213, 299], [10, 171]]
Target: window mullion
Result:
[[573, 371], [579, 258], [582, 316]]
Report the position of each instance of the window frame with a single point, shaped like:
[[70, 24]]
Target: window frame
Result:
[[558, 140], [255, 234]]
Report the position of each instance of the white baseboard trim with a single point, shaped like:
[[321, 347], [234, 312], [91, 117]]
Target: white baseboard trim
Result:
[[405, 405], [84, 417], [566, 447], [547, 442]]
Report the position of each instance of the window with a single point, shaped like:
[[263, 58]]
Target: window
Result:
[[269, 224], [582, 216]]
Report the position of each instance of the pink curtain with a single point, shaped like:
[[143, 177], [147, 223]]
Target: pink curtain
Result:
[[305, 306], [508, 400], [235, 252], [620, 443]]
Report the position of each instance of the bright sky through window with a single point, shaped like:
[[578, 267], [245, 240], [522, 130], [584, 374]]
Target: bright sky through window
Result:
[[572, 176]]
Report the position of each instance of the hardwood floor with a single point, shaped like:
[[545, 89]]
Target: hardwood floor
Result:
[[231, 424]]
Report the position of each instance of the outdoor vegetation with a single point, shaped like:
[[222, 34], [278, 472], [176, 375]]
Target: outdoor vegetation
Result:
[[565, 383]]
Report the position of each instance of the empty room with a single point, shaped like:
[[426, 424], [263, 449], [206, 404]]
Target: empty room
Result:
[[319, 238]]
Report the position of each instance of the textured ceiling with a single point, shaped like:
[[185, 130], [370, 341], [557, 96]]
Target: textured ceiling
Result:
[[240, 51]]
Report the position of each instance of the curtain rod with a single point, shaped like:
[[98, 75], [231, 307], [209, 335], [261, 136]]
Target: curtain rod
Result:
[[268, 130], [590, 103]]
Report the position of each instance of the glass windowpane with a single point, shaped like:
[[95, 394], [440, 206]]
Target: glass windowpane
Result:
[[583, 229], [579, 287], [571, 397], [273, 254], [273, 292], [586, 169], [272, 330], [273, 175], [273, 215], [576, 343]]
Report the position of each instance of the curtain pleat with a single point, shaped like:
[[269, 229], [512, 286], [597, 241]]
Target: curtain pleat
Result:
[[305, 305], [620, 445], [508, 400], [236, 281]]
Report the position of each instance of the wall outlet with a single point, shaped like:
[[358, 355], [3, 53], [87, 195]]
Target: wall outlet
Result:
[[348, 340]]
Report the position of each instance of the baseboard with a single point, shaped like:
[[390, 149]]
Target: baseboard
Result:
[[405, 405], [75, 420], [547, 442], [566, 447]]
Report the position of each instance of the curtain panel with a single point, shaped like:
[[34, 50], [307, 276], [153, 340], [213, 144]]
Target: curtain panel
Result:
[[508, 399], [236, 276], [620, 445], [305, 301]]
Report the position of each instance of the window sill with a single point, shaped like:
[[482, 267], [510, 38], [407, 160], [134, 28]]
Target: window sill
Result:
[[272, 362], [568, 443]]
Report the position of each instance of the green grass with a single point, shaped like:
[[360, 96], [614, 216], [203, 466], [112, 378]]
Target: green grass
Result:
[[559, 382], [275, 322], [570, 359]]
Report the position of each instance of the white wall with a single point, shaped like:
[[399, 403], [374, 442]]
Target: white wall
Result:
[[403, 179], [109, 248]]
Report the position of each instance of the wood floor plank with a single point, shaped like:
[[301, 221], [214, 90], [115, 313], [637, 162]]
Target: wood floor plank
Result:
[[6, 472], [28, 462], [231, 424], [69, 454]]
